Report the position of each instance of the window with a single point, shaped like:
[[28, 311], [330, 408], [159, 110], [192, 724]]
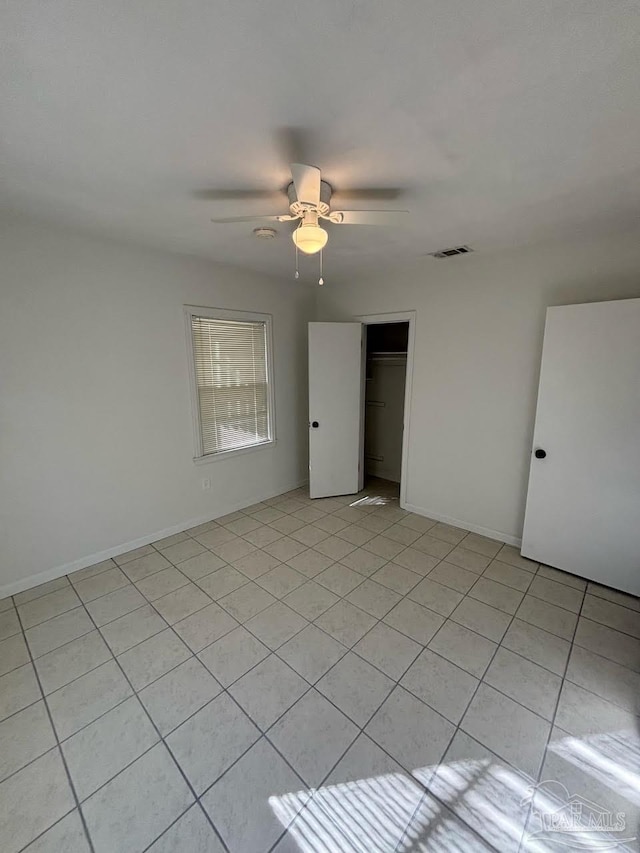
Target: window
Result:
[[232, 383]]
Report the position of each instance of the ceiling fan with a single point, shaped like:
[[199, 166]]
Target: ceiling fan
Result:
[[309, 202]]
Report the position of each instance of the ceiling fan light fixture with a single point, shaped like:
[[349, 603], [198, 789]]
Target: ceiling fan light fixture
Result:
[[310, 238]]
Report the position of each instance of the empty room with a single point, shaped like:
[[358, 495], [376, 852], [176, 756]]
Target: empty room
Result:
[[319, 426]]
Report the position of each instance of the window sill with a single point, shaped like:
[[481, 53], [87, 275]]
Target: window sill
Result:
[[228, 454]]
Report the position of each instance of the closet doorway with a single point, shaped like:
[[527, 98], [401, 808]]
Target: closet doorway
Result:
[[387, 396]]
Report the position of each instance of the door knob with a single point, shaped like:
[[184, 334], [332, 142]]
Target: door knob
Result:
[[540, 453], [315, 424]]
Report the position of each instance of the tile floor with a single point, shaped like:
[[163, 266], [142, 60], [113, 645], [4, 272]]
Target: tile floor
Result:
[[306, 676]]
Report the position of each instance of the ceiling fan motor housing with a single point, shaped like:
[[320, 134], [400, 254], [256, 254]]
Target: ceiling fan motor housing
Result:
[[298, 208]]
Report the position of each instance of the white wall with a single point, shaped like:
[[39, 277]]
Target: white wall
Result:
[[479, 330], [95, 417]]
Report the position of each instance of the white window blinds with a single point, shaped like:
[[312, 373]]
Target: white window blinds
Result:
[[232, 375]]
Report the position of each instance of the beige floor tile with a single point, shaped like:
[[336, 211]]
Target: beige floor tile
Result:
[[13, 653], [373, 598], [205, 627], [102, 749], [181, 551], [496, 594], [72, 660], [191, 832], [339, 579], [311, 653], [363, 562], [42, 589], [133, 628], [346, 623], [233, 655], [550, 618], [131, 810], [482, 619], [356, 687], [526, 682], [312, 736], [180, 693], [606, 679], [464, 647], [609, 643], [467, 559], [334, 547], [388, 650], [247, 601], [310, 600], [354, 533], [256, 563], [511, 731], [410, 731], [436, 597], [23, 737], [222, 582], [414, 620], [508, 575], [32, 800], [613, 615], [115, 604], [561, 577], [211, 740], [556, 593], [540, 646], [268, 690], [241, 803], [144, 566], [53, 604], [275, 625], [396, 577], [152, 658], [18, 689], [181, 603], [84, 700], [441, 684], [204, 564], [481, 544], [281, 580], [428, 544], [284, 549], [101, 584], [453, 576], [510, 554]]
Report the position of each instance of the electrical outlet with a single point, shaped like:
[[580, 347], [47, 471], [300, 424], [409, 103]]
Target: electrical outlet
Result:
[[206, 484]]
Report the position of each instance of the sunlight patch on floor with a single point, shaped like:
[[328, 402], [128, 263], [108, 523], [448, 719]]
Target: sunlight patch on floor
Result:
[[391, 812]]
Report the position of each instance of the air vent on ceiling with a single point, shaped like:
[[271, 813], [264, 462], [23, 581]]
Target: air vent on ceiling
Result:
[[450, 253]]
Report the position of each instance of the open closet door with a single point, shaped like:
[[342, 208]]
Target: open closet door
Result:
[[335, 408], [583, 504]]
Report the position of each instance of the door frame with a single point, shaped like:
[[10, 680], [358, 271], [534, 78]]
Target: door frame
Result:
[[394, 317]]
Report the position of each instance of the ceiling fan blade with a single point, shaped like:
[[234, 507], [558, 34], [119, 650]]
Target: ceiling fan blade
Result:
[[368, 194], [306, 180], [368, 217], [236, 195], [275, 217]]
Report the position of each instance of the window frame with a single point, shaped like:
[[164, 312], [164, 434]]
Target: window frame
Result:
[[190, 311]]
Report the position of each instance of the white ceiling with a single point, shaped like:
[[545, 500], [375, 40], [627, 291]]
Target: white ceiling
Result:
[[507, 121]]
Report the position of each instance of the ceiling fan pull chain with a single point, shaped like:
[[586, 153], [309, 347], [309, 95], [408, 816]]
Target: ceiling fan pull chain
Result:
[[321, 280], [297, 275]]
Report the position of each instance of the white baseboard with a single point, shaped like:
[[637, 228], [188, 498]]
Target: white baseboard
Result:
[[465, 525], [91, 559]]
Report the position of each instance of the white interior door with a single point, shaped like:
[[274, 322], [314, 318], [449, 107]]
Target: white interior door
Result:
[[583, 503], [335, 408]]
